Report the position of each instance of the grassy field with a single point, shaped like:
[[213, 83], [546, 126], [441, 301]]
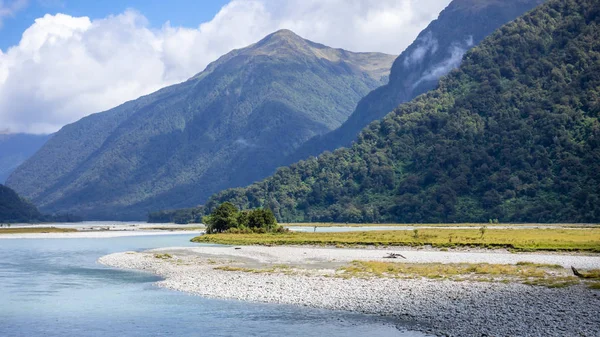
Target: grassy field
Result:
[[177, 228], [466, 225], [587, 239], [29, 230]]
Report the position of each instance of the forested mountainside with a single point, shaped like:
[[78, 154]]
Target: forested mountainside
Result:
[[438, 49], [14, 209], [513, 134], [15, 149], [227, 126]]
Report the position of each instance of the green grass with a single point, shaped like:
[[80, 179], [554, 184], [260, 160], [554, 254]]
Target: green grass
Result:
[[164, 256], [532, 274], [546, 275], [278, 268], [466, 225], [555, 239], [177, 228], [540, 265], [31, 230]]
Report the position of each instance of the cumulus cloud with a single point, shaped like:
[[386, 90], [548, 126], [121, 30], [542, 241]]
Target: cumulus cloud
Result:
[[65, 67]]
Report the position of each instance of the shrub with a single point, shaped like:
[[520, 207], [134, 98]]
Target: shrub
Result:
[[227, 218]]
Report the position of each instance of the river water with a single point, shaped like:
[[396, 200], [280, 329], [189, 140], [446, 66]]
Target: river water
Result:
[[54, 287]]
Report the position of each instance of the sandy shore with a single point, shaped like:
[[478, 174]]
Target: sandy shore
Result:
[[439, 307]]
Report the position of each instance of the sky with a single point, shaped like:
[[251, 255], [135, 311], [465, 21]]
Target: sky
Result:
[[61, 60]]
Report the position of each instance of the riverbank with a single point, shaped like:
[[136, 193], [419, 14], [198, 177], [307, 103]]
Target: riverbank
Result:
[[520, 239], [310, 276], [94, 230]]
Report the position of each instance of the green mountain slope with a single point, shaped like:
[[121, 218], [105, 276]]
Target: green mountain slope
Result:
[[227, 126], [15, 149], [15, 209], [437, 50], [514, 134]]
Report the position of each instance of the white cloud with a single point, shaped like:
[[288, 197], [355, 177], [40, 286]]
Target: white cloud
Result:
[[456, 51], [65, 68], [425, 44]]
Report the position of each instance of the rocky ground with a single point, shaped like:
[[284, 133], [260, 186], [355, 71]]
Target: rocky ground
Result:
[[439, 307]]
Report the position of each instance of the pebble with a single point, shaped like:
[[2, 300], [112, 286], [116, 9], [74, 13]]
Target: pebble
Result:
[[440, 307]]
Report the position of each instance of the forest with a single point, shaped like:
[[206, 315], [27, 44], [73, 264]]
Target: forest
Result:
[[513, 135]]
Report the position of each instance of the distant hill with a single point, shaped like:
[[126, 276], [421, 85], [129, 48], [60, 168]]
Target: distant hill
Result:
[[228, 126], [437, 50], [513, 134], [14, 209], [15, 149]]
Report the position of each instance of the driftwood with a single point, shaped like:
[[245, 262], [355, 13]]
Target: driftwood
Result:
[[394, 256], [577, 273]]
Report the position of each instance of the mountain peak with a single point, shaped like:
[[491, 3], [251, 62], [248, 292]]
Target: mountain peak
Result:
[[282, 37], [284, 34]]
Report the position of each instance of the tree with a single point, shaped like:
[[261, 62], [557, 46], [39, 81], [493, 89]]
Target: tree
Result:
[[262, 218], [222, 218]]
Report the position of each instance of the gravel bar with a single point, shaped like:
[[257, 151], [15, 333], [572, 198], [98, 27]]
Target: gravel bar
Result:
[[439, 307]]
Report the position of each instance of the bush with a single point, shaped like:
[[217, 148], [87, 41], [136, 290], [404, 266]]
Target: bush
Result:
[[227, 218]]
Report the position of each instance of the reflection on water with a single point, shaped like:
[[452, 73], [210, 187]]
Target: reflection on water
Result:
[[54, 287]]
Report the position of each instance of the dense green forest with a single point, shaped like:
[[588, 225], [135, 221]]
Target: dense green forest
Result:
[[15, 148], [227, 126], [437, 50], [15, 209], [179, 216], [513, 134]]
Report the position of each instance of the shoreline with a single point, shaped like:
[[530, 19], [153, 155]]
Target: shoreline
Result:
[[440, 307], [97, 234]]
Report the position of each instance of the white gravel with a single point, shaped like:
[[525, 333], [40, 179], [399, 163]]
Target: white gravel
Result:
[[438, 307]]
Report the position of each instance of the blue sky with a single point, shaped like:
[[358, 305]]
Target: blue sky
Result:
[[187, 13]]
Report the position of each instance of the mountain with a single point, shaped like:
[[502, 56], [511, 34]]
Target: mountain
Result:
[[15, 209], [15, 149], [437, 50], [513, 134], [227, 126]]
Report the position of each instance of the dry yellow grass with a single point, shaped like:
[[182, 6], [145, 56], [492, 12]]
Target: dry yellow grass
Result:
[[529, 273], [29, 230], [553, 239], [466, 225]]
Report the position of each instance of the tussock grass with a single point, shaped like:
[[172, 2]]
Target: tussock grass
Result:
[[31, 230], [278, 268], [177, 228], [164, 256], [538, 239], [540, 265], [532, 274], [466, 224]]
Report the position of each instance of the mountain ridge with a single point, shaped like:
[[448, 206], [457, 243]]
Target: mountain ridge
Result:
[[226, 126], [512, 134], [437, 50]]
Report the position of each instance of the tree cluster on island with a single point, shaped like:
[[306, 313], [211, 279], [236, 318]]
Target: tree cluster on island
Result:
[[228, 218]]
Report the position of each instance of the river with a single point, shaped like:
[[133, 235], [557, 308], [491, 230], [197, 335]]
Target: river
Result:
[[55, 287]]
